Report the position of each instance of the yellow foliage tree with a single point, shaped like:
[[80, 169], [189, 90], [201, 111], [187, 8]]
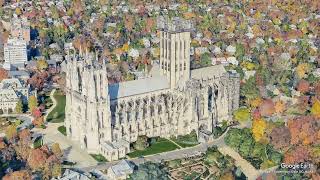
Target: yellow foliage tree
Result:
[[18, 11], [258, 128], [242, 115], [11, 131], [42, 64], [279, 107], [302, 69], [255, 102], [125, 47], [315, 110]]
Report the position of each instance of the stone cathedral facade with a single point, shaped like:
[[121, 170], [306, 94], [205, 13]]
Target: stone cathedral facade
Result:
[[173, 100]]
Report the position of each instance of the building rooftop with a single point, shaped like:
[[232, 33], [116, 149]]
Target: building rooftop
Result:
[[7, 83], [136, 87], [73, 175], [124, 167]]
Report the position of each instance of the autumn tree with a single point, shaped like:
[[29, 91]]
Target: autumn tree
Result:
[[19, 107], [38, 122], [280, 137], [303, 86], [32, 103], [3, 74], [11, 131], [267, 107], [37, 159], [55, 148], [296, 155], [18, 175], [258, 128], [315, 109], [242, 115], [25, 136], [42, 64]]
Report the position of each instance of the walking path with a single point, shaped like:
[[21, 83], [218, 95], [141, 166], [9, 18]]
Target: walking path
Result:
[[247, 169], [54, 103], [72, 150], [174, 143]]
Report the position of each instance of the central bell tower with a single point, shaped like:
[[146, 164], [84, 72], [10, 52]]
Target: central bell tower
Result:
[[174, 49]]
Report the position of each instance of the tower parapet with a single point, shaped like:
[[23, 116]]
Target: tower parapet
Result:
[[174, 25], [174, 49]]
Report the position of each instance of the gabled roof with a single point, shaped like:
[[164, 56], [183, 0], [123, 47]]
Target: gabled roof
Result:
[[124, 167]]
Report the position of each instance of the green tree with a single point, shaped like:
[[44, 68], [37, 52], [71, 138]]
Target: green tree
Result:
[[205, 59], [240, 52], [150, 171], [32, 103], [11, 131], [242, 115], [19, 107], [249, 89]]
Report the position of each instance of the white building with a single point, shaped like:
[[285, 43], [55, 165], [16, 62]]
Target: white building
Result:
[[106, 118], [15, 53], [121, 171], [11, 91]]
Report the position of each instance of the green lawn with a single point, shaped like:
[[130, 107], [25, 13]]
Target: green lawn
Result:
[[63, 130], [57, 115], [162, 145], [187, 140], [99, 157]]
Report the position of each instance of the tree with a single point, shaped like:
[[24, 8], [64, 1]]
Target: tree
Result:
[[141, 143], [55, 148], [38, 122], [42, 64], [36, 113], [11, 131], [32, 103], [227, 176], [303, 86], [249, 89], [150, 171], [315, 109], [296, 155], [279, 107], [17, 175], [280, 137], [267, 108], [25, 136], [19, 107], [205, 59], [3, 74], [242, 115], [258, 128], [37, 159]]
